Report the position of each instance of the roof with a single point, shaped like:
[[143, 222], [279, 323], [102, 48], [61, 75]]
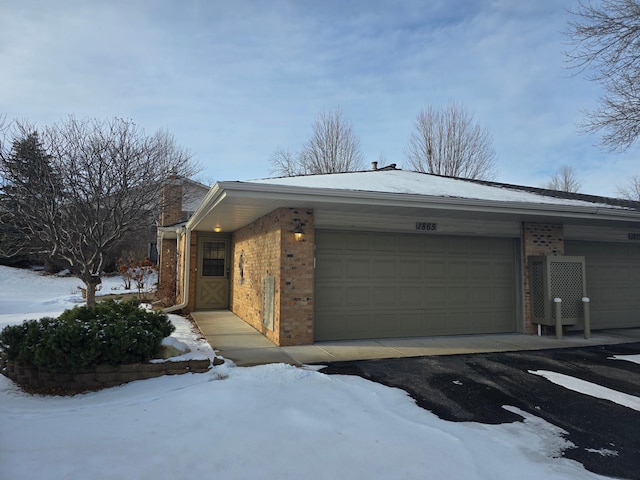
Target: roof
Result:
[[418, 183], [231, 205]]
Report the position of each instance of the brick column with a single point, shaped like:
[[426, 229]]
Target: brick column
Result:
[[193, 262], [538, 239], [171, 212], [167, 262], [296, 278]]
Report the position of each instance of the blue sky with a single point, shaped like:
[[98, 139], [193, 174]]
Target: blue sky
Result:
[[235, 80]]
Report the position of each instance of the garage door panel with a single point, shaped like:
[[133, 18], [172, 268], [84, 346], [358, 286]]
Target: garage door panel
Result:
[[411, 296], [434, 245], [434, 270], [625, 296], [410, 244], [330, 268], [480, 270], [358, 296], [385, 269], [357, 242], [500, 297], [438, 322], [332, 243], [384, 295], [383, 244], [409, 269], [602, 272], [483, 296], [330, 297], [357, 324], [358, 268], [399, 285], [622, 271], [384, 325], [458, 295], [457, 244], [481, 247], [435, 297], [412, 321], [613, 282], [502, 270], [457, 270], [459, 321]]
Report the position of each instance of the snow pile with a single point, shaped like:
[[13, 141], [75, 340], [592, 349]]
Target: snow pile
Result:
[[266, 422]]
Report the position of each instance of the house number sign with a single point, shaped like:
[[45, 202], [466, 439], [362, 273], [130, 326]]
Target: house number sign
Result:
[[426, 226]]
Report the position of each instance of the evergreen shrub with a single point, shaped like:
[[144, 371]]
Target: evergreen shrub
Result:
[[112, 333]]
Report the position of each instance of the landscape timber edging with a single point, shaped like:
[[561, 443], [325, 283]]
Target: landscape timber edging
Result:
[[98, 377]]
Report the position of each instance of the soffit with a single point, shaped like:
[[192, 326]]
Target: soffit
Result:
[[232, 205]]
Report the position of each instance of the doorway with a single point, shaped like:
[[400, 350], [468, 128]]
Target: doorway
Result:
[[213, 270]]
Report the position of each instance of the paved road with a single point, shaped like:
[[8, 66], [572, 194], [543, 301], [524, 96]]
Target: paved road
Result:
[[475, 387]]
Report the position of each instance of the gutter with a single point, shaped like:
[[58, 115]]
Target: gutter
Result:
[[187, 266]]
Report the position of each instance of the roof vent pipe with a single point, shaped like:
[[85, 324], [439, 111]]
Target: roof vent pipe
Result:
[[374, 165]]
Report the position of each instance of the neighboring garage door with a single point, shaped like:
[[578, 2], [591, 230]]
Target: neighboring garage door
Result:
[[613, 282], [376, 285]]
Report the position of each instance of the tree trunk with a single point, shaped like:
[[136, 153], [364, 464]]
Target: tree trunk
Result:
[[92, 285]]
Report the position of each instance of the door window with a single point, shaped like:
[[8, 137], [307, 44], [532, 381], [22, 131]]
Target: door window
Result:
[[213, 258]]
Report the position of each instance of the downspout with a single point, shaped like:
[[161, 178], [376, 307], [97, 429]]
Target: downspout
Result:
[[187, 266]]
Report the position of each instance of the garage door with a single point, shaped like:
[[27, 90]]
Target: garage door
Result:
[[613, 282], [375, 285]]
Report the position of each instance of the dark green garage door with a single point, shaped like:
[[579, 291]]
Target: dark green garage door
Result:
[[376, 285], [613, 282]]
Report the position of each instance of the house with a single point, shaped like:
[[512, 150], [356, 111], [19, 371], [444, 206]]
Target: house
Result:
[[394, 253]]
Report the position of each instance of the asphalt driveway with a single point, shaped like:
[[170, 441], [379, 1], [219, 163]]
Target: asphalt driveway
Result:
[[474, 388]]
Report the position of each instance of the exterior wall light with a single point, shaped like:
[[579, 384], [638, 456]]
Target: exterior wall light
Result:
[[298, 233]]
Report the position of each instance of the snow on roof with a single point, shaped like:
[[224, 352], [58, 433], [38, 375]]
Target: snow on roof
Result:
[[416, 183]]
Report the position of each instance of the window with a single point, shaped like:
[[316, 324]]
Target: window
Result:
[[213, 257]]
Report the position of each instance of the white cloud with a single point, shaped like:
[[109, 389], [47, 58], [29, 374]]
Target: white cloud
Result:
[[235, 81]]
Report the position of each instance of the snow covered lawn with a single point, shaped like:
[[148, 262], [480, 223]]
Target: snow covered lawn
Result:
[[266, 422]]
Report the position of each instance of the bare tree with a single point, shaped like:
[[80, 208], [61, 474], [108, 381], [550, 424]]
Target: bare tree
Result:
[[285, 163], [630, 190], [448, 142], [564, 180], [333, 147], [99, 183], [605, 40]]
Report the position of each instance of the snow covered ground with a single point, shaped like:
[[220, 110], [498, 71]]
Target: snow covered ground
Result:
[[266, 422]]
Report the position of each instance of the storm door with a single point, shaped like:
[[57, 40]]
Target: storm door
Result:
[[212, 279]]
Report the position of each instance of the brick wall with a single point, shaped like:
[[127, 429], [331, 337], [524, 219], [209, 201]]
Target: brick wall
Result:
[[538, 239], [167, 252], [267, 248]]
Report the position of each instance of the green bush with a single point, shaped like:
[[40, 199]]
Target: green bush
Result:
[[112, 333]]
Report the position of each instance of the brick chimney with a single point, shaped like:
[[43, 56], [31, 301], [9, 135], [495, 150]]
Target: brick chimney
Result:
[[171, 202]]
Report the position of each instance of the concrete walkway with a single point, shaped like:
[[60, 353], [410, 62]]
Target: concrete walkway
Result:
[[236, 340]]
